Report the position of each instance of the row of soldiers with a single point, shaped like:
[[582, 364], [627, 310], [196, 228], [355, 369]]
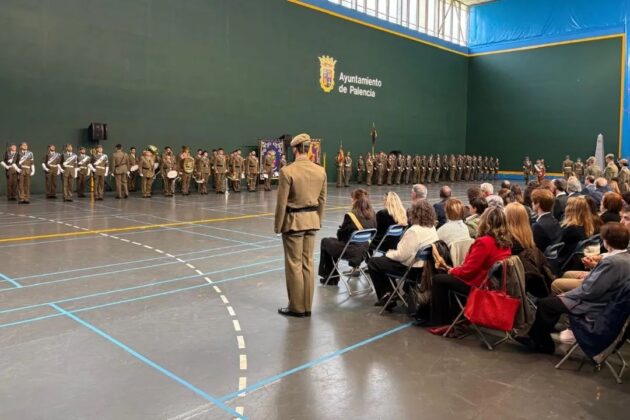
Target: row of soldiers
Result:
[[127, 168], [397, 168], [614, 170]]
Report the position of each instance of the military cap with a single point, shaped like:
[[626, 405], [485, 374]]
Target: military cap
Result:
[[299, 139]]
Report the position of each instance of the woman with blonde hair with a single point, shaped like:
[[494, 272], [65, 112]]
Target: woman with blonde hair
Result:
[[519, 227], [394, 213], [576, 226]]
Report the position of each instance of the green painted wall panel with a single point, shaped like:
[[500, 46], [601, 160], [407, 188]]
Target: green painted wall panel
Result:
[[544, 102], [216, 73]]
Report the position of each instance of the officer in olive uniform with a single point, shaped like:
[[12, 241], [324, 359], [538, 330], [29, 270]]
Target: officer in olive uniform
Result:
[[147, 172], [168, 165], [348, 169], [9, 163], [236, 169], [437, 168], [422, 168], [220, 168], [391, 168], [100, 168], [204, 172], [611, 170], [269, 166], [624, 176], [579, 169], [592, 168], [408, 169], [341, 168], [25, 169], [83, 171], [299, 210], [121, 170], [452, 168], [399, 168], [69, 164], [251, 168], [369, 169], [132, 160], [52, 169], [360, 169], [567, 167], [382, 168], [185, 168]]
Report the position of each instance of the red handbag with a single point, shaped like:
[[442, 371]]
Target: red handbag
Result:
[[493, 309]]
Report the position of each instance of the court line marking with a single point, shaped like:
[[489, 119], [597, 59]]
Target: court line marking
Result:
[[214, 400], [323, 359], [10, 280]]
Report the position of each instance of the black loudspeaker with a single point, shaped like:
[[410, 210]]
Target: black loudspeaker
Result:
[[286, 140], [97, 131]]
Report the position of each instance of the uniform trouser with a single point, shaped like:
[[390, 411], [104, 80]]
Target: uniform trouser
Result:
[[299, 269], [168, 184], [133, 177], [236, 183], [147, 184], [436, 175], [451, 174], [220, 182], [81, 184], [359, 177], [251, 182], [12, 184], [398, 177], [408, 176], [347, 177], [368, 177], [568, 281], [185, 183], [68, 181], [341, 177], [429, 176], [268, 181], [381, 176], [121, 185], [203, 187], [51, 183], [99, 186], [24, 185], [390, 177], [423, 174]]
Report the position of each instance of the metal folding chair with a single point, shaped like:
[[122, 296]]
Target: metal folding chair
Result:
[[358, 237], [552, 251], [579, 249], [398, 282], [394, 231], [618, 344]]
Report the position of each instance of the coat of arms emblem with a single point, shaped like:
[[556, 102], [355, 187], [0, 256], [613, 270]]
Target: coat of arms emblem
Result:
[[327, 73]]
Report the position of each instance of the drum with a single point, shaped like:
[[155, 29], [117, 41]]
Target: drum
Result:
[[171, 174], [134, 168]]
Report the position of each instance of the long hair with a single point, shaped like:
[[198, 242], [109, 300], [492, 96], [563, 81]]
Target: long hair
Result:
[[395, 208], [493, 223], [361, 205], [578, 213], [519, 226]]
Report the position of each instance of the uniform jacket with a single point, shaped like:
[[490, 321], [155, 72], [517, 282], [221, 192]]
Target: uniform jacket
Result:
[[252, 165], [611, 171], [52, 160], [9, 160], [146, 167], [100, 162], [301, 184], [120, 162]]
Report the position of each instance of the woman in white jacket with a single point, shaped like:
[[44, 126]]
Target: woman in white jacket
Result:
[[396, 261]]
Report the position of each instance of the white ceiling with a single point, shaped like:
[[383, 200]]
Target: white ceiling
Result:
[[475, 2]]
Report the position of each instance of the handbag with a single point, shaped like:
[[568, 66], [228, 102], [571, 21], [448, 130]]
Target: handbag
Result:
[[493, 309]]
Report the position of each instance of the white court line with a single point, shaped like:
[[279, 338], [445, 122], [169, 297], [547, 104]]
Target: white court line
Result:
[[242, 384], [189, 265], [224, 299], [243, 361], [216, 289], [199, 272], [207, 279], [241, 341], [231, 311], [237, 325]]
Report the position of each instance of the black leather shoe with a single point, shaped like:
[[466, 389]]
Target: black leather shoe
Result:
[[307, 314], [288, 312]]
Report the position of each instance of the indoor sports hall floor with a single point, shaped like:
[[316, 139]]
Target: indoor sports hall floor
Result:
[[166, 309]]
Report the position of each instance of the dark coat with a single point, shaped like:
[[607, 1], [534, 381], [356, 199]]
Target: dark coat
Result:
[[547, 231]]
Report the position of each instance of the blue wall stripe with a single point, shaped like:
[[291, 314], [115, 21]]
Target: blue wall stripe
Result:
[[10, 280], [149, 362]]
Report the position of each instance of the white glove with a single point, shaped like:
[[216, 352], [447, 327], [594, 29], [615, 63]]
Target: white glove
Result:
[[32, 170], [44, 167], [91, 168], [65, 164], [4, 165], [107, 171], [155, 165], [76, 172], [60, 169], [242, 176], [128, 173], [89, 172], [19, 171], [140, 173]]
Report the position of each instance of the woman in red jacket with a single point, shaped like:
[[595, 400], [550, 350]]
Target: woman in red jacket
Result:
[[493, 244]]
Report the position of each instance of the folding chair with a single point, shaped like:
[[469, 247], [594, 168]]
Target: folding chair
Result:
[[552, 251], [616, 350], [358, 237], [394, 231], [423, 254], [579, 249], [459, 249]]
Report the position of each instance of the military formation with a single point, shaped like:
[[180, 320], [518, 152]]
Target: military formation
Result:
[[613, 170], [397, 168], [78, 173]]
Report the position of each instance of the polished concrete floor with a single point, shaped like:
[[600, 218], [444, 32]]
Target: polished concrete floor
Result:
[[165, 308]]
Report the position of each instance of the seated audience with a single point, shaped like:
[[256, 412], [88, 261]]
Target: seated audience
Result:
[[592, 206], [421, 232], [611, 207], [589, 185], [472, 193], [601, 188], [445, 194], [519, 227], [626, 197], [560, 202], [454, 229], [573, 186], [487, 190], [477, 207], [492, 244], [588, 300], [505, 184], [625, 217], [613, 186], [394, 213], [506, 196], [418, 192], [576, 227], [546, 228], [360, 217]]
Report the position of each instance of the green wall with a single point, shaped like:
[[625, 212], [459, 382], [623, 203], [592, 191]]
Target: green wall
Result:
[[216, 73], [545, 102]]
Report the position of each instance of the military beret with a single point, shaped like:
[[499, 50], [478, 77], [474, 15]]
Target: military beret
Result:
[[624, 162], [299, 139], [610, 156]]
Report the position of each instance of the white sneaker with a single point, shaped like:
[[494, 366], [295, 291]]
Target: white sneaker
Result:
[[567, 337]]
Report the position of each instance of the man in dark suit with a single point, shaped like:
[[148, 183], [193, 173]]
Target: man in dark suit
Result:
[[445, 194], [588, 300], [560, 189], [546, 228]]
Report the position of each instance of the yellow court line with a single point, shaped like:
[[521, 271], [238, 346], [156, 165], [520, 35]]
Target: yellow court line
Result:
[[142, 227]]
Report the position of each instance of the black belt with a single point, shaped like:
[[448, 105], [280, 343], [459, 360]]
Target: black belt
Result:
[[302, 210]]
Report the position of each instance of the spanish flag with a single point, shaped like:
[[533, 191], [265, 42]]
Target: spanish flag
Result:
[[340, 156]]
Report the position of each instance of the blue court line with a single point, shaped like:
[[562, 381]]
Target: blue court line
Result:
[[313, 363], [141, 286], [10, 280], [136, 299], [88, 276], [149, 362]]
